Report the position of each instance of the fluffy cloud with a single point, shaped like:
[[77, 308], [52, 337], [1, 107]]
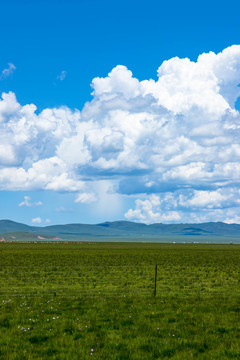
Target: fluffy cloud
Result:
[[27, 202], [8, 71], [62, 75], [149, 211], [37, 220], [221, 198], [178, 135], [193, 206], [86, 198]]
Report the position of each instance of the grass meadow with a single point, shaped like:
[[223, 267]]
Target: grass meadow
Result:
[[96, 300]]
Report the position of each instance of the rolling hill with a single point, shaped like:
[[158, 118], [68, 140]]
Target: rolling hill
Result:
[[118, 229]]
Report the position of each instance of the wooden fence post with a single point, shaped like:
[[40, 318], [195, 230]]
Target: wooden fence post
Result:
[[155, 283]]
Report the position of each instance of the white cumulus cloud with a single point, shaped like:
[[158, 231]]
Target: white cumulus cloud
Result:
[[176, 134], [27, 202], [187, 206], [62, 75], [37, 220], [86, 198], [8, 71], [149, 211]]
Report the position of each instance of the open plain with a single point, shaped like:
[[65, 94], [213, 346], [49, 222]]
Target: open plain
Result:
[[96, 300]]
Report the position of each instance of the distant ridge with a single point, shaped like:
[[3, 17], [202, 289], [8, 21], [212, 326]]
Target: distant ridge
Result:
[[123, 229]]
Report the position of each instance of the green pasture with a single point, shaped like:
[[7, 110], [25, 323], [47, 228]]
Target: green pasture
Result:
[[96, 300]]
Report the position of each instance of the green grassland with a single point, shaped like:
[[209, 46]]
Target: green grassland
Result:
[[91, 300]]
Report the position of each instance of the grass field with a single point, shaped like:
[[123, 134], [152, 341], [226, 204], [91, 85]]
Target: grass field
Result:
[[95, 300]]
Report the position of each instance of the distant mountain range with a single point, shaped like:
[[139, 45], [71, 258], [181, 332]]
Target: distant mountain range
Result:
[[10, 230]]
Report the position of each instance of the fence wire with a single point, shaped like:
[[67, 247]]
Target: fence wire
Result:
[[113, 281]]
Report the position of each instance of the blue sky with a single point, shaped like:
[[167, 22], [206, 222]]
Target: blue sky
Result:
[[86, 140]]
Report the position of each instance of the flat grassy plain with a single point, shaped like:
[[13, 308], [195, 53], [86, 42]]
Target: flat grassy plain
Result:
[[95, 300]]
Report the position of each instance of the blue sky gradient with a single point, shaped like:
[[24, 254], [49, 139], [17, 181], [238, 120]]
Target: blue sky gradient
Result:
[[88, 38]]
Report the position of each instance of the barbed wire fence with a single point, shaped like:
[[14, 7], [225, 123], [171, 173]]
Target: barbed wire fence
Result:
[[117, 280]]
